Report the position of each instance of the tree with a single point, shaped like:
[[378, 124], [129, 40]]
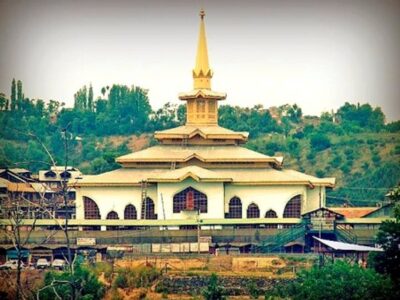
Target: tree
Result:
[[363, 116], [388, 236], [13, 94], [20, 95], [62, 285], [17, 208], [213, 290], [90, 98], [3, 102], [338, 280], [295, 113], [320, 141]]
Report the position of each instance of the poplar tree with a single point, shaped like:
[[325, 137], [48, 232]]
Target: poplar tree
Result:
[[13, 94], [90, 98], [20, 95]]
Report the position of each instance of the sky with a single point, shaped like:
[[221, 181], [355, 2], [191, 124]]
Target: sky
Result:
[[318, 54]]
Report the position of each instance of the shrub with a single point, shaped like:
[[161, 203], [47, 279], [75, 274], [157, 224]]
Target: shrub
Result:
[[397, 149], [213, 290], [253, 289], [345, 169], [320, 141], [376, 159], [320, 173], [84, 280], [339, 280], [135, 277]]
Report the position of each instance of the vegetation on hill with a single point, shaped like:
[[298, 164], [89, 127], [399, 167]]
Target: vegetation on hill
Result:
[[352, 144], [339, 280]]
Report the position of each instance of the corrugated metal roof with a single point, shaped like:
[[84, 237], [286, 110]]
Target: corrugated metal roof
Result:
[[353, 212], [340, 246]]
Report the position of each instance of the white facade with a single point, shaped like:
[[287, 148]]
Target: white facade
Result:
[[266, 197]]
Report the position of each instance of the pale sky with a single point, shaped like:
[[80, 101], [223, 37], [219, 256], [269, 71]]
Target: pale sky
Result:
[[317, 54]]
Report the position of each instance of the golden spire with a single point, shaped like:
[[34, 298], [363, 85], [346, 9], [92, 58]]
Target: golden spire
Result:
[[202, 73]]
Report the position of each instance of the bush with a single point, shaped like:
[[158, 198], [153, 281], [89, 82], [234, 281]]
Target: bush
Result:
[[320, 173], [345, 169], [376, 159], [135, 277], [213, 290], [319, 142], [253, 289], [336, 161], [85, 281], [339, 280]]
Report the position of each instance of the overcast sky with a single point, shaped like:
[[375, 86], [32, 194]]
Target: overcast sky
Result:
[[317, 54]]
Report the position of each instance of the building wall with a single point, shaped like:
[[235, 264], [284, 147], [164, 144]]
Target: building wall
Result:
[[113, 199], [266, 197], [214, 192], [218, 196]]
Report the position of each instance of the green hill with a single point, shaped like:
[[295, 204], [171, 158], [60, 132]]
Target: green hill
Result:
[[352, 144]]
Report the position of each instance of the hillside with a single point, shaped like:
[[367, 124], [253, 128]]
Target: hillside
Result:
[[353, 144]]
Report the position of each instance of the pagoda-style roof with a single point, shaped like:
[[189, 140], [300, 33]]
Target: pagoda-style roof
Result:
[[208, 133], [204, 153], [194, 172], [202, 93], [267, 176]]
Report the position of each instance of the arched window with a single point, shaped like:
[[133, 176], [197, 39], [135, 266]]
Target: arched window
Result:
[[130, 212], [91, 212], [253, 211], [271, 214], [190, 199], [235, 208], [293, 208], [112, 215], [148, 210]]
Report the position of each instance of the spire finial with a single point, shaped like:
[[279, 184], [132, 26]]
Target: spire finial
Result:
[[202, 72], [202, 14]]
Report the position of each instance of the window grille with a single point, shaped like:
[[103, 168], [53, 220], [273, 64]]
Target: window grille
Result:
[[253, 211], [149, 211], [190, 199], [91, 212], [271, 214], [91, 209], [235, 208], [112, 215], [293, 208], [130, 212]]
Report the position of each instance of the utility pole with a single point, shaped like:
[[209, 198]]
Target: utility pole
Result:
[[198, 231]]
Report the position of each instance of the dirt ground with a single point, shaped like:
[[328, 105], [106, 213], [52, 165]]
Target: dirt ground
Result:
[[221, 264], [250, 266], [30, 280]]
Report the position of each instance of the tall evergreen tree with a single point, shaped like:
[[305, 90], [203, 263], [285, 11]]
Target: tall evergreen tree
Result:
[[20, 95], [13, 94], [90, 98], [3, 102]]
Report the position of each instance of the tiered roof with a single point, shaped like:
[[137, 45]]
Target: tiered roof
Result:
[[202, 150]]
